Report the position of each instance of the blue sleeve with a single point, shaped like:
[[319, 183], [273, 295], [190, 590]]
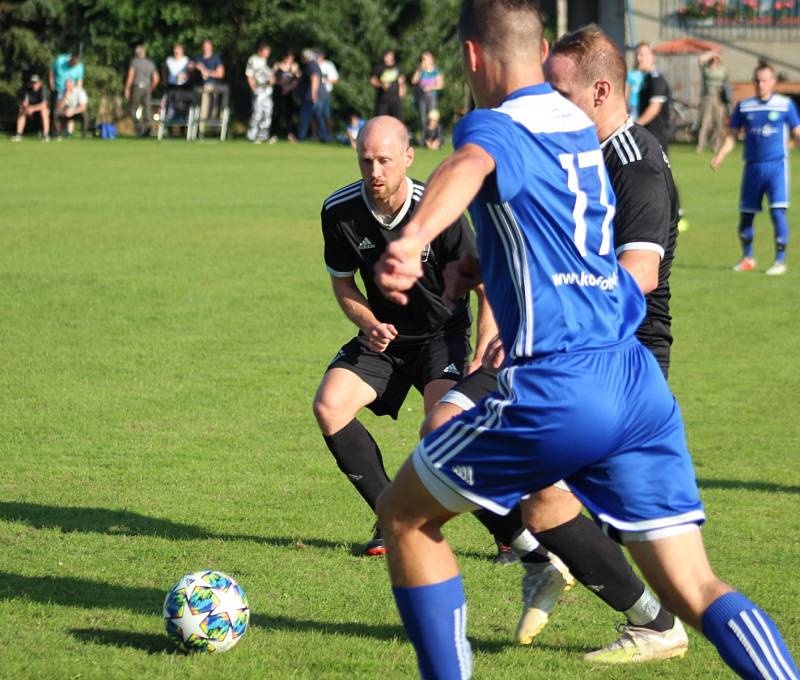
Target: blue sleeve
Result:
[[736, 118], [497, 134], [80, 70], [793, 118]]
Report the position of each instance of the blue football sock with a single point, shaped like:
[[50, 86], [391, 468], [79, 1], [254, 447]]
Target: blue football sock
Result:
[[747, 639], [746, 233], [781, 232], [435, 618]]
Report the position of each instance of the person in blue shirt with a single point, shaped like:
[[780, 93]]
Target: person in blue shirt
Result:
[[207, 71], [633, 86], [766, 120], [579, 397]]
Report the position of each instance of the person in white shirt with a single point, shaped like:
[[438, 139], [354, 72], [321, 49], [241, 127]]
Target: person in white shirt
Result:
[[330, 76], [74, 104]]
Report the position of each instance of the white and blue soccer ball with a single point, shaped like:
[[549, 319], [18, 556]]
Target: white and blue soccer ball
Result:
[[206, 611]]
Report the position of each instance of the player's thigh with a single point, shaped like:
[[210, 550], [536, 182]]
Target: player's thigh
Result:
[[677, 568], [434, 391], [549, 508], [438, 416], [754, 186], [778, 185]]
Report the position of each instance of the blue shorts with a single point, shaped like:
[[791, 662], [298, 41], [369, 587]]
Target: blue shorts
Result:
[[770, 178], [605, 421]]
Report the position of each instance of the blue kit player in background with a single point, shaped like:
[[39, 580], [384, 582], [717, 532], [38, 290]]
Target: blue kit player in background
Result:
[[766, 119], [579, 397]]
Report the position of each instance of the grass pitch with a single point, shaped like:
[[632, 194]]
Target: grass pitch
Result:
[[166, 317]]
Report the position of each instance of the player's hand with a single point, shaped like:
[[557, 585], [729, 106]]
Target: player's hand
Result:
[[460, 277], [715, 163], [399, 268], [495, 353], [380, 336]]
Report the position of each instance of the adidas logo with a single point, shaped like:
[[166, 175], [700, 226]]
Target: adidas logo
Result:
[[465, 473], [452, 369], [366, 244]]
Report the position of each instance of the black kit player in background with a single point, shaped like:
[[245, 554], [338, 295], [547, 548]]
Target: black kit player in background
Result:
[[424, 344], [589, 70]]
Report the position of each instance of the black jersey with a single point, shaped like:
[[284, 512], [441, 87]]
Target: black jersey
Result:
[[646, 219], [656, 89], [354, 242]]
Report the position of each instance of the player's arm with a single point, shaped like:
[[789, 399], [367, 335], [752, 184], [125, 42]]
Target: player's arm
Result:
[[725, 148], [486, 328], [643, 266], [450, 189], [356, 308], [155, 79]]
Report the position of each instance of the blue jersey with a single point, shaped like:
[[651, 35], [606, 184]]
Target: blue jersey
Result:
[[767, 125], [544, 226]]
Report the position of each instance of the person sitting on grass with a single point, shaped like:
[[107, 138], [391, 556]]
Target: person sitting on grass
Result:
[[34, 100], [432, 135]]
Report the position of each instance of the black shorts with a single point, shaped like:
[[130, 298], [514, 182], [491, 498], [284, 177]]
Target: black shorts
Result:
[[393, 372], [473, 388]]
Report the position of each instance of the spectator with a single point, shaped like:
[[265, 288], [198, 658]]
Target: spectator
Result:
[[428, 82], [633, 87], [330, 76], [655, 97], [390, 87], [432, 135], [64, 67], [354, 125], [34, 100], [177, 67], [260, 78], [713, 108], [139, 85], [287, 77], [74, 104], [312, 94], [208, 70]]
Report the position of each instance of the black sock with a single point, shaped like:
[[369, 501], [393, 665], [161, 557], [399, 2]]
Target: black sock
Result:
[[594, 560], [359, 457]]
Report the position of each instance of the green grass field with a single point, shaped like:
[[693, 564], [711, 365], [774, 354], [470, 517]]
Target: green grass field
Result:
[[166, 318]]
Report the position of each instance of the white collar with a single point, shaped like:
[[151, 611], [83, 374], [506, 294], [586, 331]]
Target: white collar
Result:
[[400, 215], [627, 125]]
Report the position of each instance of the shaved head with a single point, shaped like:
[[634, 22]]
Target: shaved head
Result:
[[508, 29], [384, 129]]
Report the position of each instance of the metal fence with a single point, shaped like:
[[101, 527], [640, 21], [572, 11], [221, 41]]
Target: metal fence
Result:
[[752, 20]]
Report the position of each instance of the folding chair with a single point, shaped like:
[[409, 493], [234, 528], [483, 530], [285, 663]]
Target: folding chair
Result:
[[214, 104], [178, 108]]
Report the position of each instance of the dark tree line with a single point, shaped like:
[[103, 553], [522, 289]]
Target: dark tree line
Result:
[[353, 33]]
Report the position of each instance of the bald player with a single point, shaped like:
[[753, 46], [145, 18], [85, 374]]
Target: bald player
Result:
[[424, 344], [579, 397]]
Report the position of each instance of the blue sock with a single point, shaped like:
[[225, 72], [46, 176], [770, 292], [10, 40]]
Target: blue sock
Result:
[[435, 618], [747, 639], [746, 233], [781, 232]]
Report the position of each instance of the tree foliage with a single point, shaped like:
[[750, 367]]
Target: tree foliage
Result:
[[353, 34]]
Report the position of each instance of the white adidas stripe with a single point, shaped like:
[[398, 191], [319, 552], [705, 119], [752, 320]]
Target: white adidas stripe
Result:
[[347, 187], [342, 199], [778, 654]]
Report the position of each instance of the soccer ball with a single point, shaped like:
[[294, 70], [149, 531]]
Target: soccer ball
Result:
[[206, 611]]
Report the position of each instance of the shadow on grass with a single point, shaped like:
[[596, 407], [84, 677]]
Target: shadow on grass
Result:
[[126, 523], [125, 639], [747, 485], [74, 592]]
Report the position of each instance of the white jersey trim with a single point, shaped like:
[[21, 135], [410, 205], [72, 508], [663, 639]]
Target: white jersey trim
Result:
[[545, 113], [400, 215], [641, 245], [340, 192], [341, 275], [341, 198]]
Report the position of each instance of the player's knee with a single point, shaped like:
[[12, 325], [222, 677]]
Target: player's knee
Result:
[[549, 508], [328, 413]]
